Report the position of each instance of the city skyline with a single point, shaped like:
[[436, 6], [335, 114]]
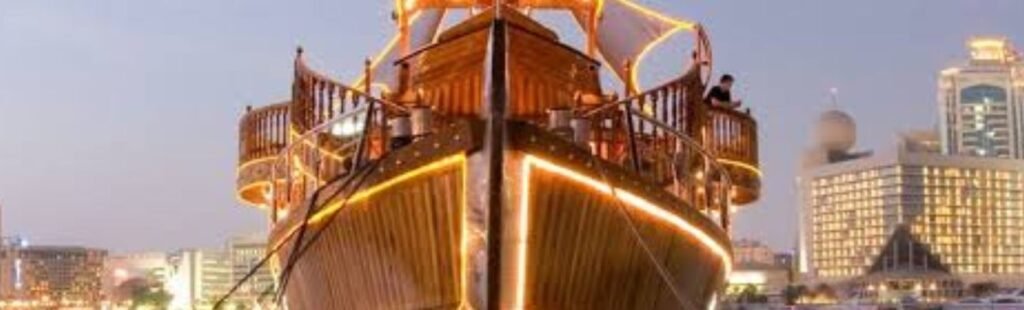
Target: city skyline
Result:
[[86, 173]]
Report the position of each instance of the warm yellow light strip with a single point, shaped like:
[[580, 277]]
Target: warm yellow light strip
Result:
[[625, 196], [253, 162], [441, 163], [987, 43], [599, 9], [330, 209], [458, 159], [238, 194], [464, 238], [677, 25], [297, 163], [742, 165], [649, 12], [387, 49], [380, 57], [328, 153], [635, 70], [382, 86], [250, 186], [523, 228]]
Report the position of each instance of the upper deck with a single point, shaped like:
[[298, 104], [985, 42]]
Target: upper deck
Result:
[[665, 134]]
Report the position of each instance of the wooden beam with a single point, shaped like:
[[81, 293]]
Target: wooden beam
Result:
[[494, 110]]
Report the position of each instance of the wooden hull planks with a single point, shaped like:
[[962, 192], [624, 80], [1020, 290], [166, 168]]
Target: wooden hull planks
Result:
[[416, 243]]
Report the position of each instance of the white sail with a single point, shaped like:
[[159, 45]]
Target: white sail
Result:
[[626, 31]]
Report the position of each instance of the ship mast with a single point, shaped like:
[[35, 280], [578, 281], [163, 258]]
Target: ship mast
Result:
[[593, 17], [401, 8]]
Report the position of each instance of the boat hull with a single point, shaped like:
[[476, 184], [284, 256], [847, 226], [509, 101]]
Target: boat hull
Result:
[[424, 230]]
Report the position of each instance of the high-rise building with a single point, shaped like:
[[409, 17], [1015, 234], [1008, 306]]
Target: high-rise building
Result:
[[53, 276], [199, 278], [745, 251], [981, 102], [836, 134], [967, 211], [246, 253], [12, 278]]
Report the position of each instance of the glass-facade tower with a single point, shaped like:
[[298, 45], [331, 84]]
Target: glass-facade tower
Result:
[[982, 102]]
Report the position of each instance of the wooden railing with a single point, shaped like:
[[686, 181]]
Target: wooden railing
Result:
[[704, 155], [336, 129], [666, 134], [263, 132], [655, 133], [317, 98], [732, 135]]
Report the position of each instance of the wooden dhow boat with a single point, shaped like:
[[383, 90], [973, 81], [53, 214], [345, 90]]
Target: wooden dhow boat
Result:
[[494, 171]]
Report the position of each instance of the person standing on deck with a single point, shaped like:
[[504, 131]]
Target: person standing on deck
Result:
[[721, 94]]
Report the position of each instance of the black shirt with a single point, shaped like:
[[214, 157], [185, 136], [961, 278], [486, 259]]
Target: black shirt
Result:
[[720, 94]]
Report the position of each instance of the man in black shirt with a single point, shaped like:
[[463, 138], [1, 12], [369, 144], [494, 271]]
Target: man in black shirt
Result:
[[721, 94]]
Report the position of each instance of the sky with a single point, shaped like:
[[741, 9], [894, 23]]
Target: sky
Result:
[[118, 118]]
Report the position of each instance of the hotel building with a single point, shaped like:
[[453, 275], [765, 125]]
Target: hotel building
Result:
[[966, 211], [981, 102], [52, 276]]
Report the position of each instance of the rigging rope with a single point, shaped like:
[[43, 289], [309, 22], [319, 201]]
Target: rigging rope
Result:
[[270, 254], [301, 247], [635, 232]]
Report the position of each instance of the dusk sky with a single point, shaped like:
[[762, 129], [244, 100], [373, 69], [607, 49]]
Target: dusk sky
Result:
[[118, 118]]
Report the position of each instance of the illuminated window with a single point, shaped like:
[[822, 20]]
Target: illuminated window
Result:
[[984, 94]]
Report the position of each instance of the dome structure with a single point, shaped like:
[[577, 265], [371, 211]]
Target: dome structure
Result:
[[836, 131]]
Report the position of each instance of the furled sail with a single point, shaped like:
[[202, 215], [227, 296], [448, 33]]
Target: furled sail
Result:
[[623, 33], [423, 27], [626, 31]]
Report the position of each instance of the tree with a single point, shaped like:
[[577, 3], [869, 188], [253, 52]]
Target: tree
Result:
[[750, 295], [142, 294], [150, 297], [125, 291], [825, 291], [792, 293], [982, 289]]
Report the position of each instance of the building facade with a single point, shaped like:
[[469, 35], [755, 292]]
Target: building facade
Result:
[[757, 266], [199, 278], [981, 102], [745, 251], [11, 276], [906, 268], [967, 210], [53, 276], [246, 253]]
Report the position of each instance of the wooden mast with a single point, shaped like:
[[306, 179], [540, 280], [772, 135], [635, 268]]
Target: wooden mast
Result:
[[495, 100], [403, 27], [592, 19]]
